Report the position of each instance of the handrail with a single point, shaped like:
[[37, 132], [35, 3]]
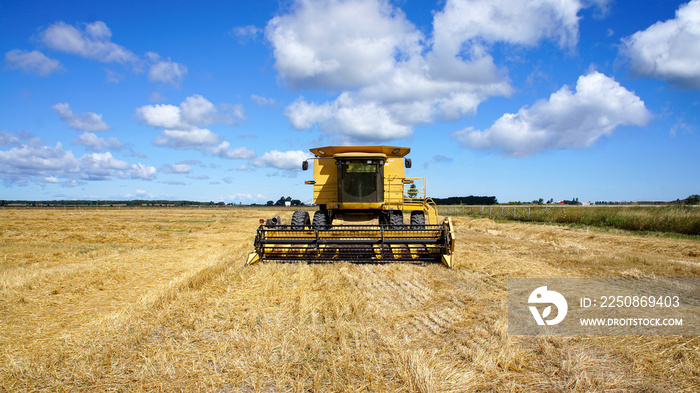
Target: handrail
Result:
[[408, 194]]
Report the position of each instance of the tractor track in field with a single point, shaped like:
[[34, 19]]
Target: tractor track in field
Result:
[[405, 298]]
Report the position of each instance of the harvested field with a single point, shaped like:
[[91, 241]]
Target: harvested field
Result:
[[158, 299]]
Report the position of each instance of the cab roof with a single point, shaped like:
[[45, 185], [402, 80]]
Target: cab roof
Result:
[[364, 151]]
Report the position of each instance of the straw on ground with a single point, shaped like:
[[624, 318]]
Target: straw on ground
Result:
[[159, 300]]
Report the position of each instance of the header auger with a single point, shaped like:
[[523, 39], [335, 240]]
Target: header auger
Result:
[[364, 200]]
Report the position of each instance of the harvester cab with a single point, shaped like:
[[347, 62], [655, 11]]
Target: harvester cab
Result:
[[362, 194]]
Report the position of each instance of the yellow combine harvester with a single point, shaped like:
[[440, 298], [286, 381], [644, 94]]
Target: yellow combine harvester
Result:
[[357, 185]]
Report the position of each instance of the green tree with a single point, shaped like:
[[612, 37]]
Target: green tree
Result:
[[412, 191], [693, 200]]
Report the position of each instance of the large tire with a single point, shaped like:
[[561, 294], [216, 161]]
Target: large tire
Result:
[[396, 219], [417, 220], [321, 220], [300, 220]]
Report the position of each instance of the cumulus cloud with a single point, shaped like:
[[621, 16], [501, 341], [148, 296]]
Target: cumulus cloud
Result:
[[194, 138], [22, 161], [33, 62], [286, 160], [141, 171], [183, 126], [35, 162], [165, 71], [340, 43], [194, 111], [224, 150], [567, 120], [96, 144], [391, 77], [668, 50], [159, 115], [100, 166], [511, 21], [92, 41], [80, 122]]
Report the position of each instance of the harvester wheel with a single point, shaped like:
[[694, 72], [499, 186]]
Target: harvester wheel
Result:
[[300, 220], [396, 219], [417, 220], [321, 220]]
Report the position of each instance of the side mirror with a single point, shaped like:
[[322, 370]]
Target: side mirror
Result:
[[305, 165], [408, 162]]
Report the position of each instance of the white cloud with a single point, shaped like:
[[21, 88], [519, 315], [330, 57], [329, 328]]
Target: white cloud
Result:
[[140, 194], [140, 171], [362, 120], [194, 111], [92, 42], [21, 162], [42, 164], [224, 150], [194, 138], [80, 122], [96, 144], [100, 166], [392, 77], [160, 115], [669, 50], [197, 110], [567, 120], [341, 44], [33, 62], [167, 71], [182, 126], [286, 160], [303, 115], [511, 21]]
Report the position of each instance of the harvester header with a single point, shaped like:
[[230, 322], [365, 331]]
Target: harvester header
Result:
[[362, 194]]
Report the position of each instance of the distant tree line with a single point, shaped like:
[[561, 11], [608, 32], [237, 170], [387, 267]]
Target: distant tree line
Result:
[[283, 201], [469, 200], [692, 200], [136, 202], [571, 202]]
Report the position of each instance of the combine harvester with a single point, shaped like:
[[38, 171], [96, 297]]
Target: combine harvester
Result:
[[366, 188]]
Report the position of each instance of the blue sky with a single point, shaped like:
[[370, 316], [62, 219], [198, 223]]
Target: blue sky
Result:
[[220, 101]]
